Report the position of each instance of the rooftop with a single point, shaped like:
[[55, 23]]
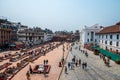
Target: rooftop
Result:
[[111, 29]]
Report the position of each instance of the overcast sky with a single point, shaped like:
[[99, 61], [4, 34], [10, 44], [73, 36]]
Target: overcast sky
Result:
[[61, 14]]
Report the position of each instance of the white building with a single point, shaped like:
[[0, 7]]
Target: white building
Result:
[[88, 35], [109, 38], [48, 37]]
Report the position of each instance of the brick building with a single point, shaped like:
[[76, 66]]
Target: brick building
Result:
[[5, 35]]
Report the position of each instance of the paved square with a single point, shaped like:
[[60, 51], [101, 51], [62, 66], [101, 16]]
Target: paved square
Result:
[[96, 69]]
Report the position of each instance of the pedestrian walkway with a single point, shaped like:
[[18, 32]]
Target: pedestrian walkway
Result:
[[96, 69]]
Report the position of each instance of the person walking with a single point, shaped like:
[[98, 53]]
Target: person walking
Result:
[[28, 75], [73, 60], [86, 54], [65, 69], [83, 64], [30, 69], [47, 61], [69, 65], [76, 63], [44, 62], [108, 62], [105, 61], [79, 62]]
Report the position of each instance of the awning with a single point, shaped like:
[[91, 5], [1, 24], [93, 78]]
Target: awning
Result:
[[113, 56], [19, 43], [95, 47]]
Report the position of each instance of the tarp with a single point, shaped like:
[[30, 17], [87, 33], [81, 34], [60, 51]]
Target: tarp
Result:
[[95, 48], [113, 56]]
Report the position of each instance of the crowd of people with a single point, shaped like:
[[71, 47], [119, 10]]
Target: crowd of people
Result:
[[106, 60], [76, 62]]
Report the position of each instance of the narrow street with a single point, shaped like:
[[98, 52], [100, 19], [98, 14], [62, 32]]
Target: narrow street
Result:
[[96, 69]]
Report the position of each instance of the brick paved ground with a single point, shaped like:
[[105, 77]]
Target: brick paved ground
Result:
[[54, 57], [96, 69]]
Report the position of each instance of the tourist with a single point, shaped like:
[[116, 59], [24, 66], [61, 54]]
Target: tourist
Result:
[[108, 62], [28, 75], [30, 69], [44, 62], [86, 54], [73, 60], [76, 64], [79, 62], [62, 61], [104, 60], [65, 69], [69, 65], [60, 64], [83, 65]]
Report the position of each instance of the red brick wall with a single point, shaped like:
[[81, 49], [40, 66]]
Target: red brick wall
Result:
[[5, 36]]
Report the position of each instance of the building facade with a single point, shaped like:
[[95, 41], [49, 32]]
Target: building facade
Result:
[[48, 36], [77, 35], [8, 33], [5, 35], [109, 38], [88, 35], [14, 27], [31, 36]]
